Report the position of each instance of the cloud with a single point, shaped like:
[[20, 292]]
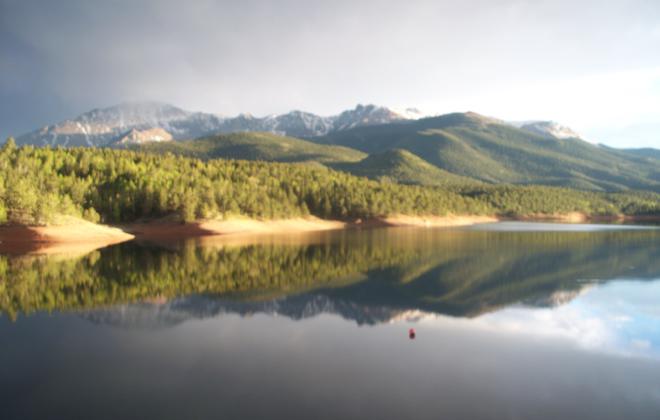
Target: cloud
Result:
[[61, 58]]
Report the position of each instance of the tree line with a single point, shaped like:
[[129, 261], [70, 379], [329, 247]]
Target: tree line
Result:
[[37, 184]]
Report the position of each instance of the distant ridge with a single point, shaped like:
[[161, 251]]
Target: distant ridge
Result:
[[406, 146], [257, 146], [157, 121], [493, 151], [105, 126]]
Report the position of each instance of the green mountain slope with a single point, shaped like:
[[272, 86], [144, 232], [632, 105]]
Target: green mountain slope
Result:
[[257, 146], [471, 145], [645, 152], [403, 167], [396, 165]]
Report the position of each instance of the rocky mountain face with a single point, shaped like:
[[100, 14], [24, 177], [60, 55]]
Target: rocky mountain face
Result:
[[142, 122], [151, 135]]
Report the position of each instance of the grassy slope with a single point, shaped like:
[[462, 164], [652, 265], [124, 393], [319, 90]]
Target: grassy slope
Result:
[[645, 152], [398, 165], [481, 148], [257, 146], [403, 167]]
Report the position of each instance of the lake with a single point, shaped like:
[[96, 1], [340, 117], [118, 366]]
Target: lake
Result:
[[512, 321]]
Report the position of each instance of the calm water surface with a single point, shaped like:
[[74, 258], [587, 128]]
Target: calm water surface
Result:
[[513, 321]]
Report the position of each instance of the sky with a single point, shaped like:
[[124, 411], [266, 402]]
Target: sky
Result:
[[591, 65]]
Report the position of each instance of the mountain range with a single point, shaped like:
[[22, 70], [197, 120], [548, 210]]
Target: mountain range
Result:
[[141, 122], [372, 141], [493, 151]]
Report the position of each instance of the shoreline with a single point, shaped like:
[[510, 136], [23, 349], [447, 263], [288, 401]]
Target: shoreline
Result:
[[74, 236], [80, 234], [240, 227], [581, 218]]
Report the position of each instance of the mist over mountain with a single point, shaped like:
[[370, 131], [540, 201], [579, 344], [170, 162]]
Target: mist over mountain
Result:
[[550, 129]]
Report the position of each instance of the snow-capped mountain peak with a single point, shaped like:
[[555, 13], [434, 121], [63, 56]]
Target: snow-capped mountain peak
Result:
[[140, 122], [365, 115], [105, 126]]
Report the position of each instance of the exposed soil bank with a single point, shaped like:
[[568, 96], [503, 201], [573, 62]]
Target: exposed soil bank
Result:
[[291, 226], [436, 221], [72, 235], [159, 229]]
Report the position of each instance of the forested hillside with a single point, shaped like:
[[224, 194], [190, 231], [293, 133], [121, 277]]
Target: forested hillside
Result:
[[492, 151], [392, 165], [122, 186], [257, 146]]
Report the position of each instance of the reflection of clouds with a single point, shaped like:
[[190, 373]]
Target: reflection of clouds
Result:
[[565, 322], [618, 317], [413, 315], [621, 319], [641, 344]]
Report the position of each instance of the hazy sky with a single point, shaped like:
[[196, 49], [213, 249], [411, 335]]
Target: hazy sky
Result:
[[591, 65]]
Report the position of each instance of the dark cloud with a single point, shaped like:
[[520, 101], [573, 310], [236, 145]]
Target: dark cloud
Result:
[[59, 58]]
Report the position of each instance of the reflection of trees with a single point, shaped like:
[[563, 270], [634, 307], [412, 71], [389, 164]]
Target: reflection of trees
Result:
[[492, 270], [444, 271]]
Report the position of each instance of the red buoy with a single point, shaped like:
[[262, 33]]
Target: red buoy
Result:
[[411, 333]]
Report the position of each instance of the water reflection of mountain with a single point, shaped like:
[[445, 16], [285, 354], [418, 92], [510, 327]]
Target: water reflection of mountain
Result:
[[368, 276], [297, 307]]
